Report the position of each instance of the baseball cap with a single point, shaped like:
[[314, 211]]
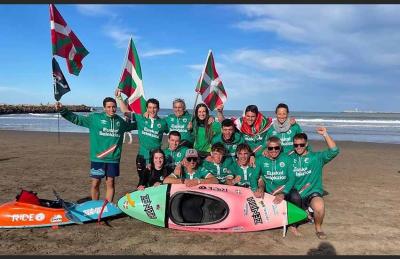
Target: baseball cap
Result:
[[191, 153]]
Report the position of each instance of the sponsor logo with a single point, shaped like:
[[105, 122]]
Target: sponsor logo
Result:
[[306, 160], [92, 211], [213, 188], [184, 120], [172, 119], [104, 122], [159, 125], [147, 206], [56, 218], [254, 209], [27, 217], [289, 131], [179, 154], [266, 164], [282, 164], [118, 123]]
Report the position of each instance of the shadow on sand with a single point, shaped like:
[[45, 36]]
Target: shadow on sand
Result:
[[324, 248]]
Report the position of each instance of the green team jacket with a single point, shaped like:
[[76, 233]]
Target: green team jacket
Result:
[[230, 147], [180, 124], [256, 143], [201, 142], [248, 176], [285, 137], [219, 171], [106, 134], [172, 158], [276, 174], [150, 134], [308, 170]]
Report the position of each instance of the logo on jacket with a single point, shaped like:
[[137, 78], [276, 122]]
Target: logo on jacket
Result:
[[103, 122], [282, 164]]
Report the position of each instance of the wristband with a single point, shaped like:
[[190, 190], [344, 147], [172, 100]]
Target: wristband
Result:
[[325, 134]]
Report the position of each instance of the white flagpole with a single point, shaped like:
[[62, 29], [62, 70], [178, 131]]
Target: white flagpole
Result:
[[201, 80]]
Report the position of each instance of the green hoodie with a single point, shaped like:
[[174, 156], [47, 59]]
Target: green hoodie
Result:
[[180, 124], [106, 134], [150, 134], [276, 174], [308, 170], [229, 146]]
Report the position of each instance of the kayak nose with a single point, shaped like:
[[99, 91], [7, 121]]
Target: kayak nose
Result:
[[295, 214]]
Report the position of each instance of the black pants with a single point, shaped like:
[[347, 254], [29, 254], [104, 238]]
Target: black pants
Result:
[[140, 167]]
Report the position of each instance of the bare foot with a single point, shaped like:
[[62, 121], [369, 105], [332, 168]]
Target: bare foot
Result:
[[295, 231]]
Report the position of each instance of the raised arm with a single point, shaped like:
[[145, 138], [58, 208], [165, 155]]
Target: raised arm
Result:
[[329, 141], [220, 113], [122, 105]]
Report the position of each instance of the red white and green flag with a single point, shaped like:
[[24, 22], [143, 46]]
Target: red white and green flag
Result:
[[65, 43], [210, 85], [131, 83]]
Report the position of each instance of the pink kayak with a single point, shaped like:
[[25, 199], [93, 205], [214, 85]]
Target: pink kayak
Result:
[[209, 207]]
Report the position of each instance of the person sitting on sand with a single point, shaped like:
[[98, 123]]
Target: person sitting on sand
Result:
[[229, 137], [175, 152], [157, 172], [307, 167], [106, 134], [217, 163], [241, 173], [190, 172]]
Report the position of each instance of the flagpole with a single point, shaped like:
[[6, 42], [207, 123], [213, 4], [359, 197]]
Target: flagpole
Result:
[[201, 80]]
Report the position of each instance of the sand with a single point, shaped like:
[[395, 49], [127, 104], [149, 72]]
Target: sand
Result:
[[362, 217]]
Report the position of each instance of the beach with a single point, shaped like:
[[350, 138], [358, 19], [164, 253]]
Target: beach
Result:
[[361, 205]]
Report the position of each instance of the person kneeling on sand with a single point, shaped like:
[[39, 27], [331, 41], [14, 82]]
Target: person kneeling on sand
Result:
[[106, 134], [190, 172], [157, 172], [307, 167]]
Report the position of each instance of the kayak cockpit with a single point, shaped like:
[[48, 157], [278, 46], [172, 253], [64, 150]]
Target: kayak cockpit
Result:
[[195, 209]]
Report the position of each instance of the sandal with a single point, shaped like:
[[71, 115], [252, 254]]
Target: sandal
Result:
[[321, 235]]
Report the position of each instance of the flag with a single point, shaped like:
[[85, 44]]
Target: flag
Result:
[[131, 83], [210, 85], [60, 84], [65, 43]]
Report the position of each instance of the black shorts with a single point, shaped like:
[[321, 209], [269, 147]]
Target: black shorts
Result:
[[307, 200], [99, 170]]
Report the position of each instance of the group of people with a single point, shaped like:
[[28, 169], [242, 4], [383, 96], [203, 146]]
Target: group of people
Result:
[[265, 154]]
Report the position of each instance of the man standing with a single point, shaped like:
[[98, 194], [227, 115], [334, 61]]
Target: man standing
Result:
[[307, 167], [106, 132], [150, 130]]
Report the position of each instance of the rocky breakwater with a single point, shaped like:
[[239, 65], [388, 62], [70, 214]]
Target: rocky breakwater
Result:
[[42, 108]]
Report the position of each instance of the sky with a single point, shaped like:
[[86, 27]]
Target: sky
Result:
[[321, 58]]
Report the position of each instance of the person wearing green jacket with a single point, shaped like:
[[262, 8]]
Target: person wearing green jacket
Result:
[[276, 176], [179, 121], [175, 153], [106, 134], [151, 129], [307, 167], [283, 128], [203, 130]]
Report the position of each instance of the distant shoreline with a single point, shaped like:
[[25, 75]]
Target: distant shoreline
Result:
[[42, 108]]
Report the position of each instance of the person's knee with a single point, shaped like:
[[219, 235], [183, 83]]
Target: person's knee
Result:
[[110, 182], [317, 204], [96, 183]]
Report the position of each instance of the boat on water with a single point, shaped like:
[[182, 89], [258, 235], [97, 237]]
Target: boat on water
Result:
[[209, 207]]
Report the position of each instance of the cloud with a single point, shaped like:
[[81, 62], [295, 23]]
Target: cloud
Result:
[[161, 52], [120, 35], [95, 10]]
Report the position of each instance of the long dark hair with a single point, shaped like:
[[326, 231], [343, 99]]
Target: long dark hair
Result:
[[163, 167], [196, 122]]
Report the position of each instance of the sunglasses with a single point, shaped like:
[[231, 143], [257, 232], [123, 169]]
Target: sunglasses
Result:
[[191, 159], [274, 148], [299, 145]]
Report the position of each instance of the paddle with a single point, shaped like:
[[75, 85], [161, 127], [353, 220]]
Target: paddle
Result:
[[68, 212]]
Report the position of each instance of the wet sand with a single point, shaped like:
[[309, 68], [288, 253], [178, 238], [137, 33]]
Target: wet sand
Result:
[[362, 217]]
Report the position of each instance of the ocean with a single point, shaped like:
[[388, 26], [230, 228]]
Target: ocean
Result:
[[345, 126]]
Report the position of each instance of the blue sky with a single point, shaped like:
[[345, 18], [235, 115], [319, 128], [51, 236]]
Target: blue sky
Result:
[[312, 57]]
